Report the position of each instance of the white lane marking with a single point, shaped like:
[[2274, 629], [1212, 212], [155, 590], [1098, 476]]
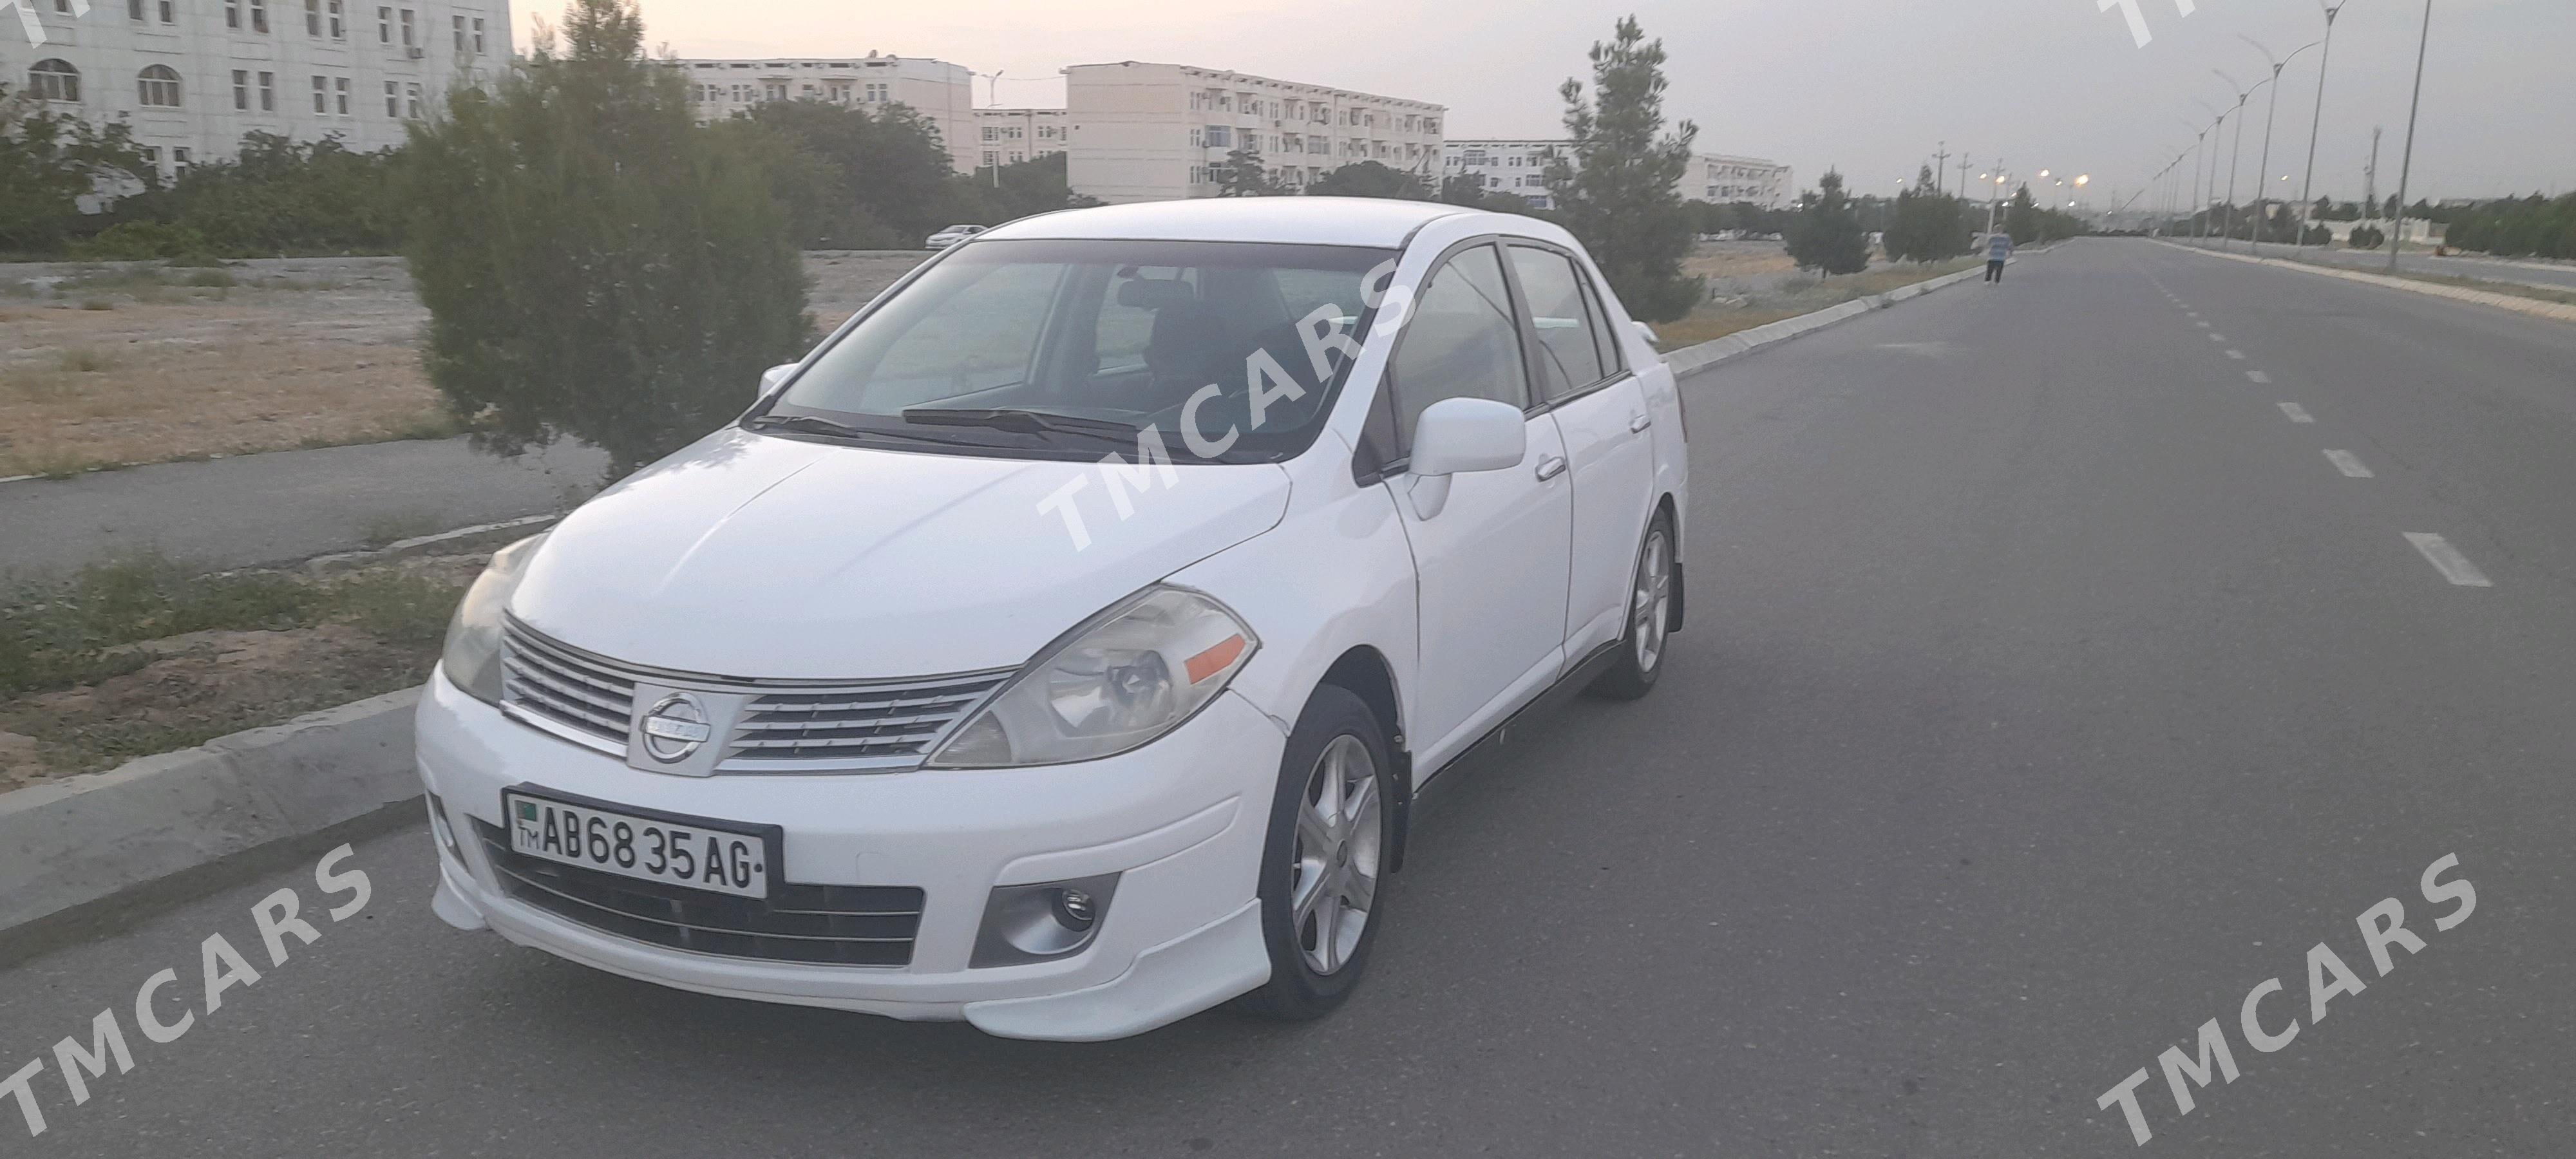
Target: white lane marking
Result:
[[2202, 325], [2238, 355], [2447, 559], [2297, 413], [2348, 463], [2257, 376], [2218, 338]]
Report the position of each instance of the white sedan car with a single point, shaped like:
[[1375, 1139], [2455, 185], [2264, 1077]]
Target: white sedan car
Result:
[[1063, 644], [951, 235]]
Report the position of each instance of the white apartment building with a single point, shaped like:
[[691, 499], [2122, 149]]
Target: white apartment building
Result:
[[1009, 136], [193, 76], [1519, 167], [1154, 132], [941, 92]]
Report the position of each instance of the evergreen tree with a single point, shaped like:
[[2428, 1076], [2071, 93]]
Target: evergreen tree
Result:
[[596, 264], [1928, 225], [1244, 174], [1616, 192], [2021, 217], [1828, 236], [1369, 179]]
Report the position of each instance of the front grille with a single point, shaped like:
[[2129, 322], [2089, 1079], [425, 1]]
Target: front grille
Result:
[[555, 684], [853, 724], [830, 925]]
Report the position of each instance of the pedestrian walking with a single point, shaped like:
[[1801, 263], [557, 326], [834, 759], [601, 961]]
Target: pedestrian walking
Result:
[[1998, 250]]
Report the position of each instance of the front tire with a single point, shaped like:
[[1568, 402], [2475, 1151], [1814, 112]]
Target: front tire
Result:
[[1650, 617], [1322, 880]]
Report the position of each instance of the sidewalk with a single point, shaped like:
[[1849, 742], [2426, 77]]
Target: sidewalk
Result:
[[281, 506]]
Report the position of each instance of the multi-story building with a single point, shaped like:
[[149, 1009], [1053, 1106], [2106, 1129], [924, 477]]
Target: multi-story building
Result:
[[1519, 168], [1008, 136], [193, 76], [941, 92], [1152, 132]]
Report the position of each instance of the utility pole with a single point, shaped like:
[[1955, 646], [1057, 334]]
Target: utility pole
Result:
[[2406, 167], [1940, 163], [2370, 179], [1964, 166]]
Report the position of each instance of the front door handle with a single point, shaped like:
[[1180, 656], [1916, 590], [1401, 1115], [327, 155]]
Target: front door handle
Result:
[[1551, 467], [1640, 422]]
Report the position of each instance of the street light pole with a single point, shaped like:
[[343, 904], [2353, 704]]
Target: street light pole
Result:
[[2218, 126], [2308, 185], [2405, 168], [2235, 156], [2263, 172]]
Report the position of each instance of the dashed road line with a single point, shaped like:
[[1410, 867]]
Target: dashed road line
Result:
[[2202, 325], [2349, 464], [2257, 376], [2218, 338], [2297, 413], [2238, 355], [2447, 559]]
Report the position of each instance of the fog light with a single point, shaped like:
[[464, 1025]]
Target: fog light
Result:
[[1043, 921], [1073, 908]]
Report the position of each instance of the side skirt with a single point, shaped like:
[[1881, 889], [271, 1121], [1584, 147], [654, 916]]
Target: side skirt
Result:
[[1567, 687]]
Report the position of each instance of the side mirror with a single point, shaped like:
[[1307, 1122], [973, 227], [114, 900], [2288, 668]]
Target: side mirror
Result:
[[1649, 332], [1468, 434], [770, 378]]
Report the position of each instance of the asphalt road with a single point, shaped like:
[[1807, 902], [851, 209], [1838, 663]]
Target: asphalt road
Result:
[[2545, 275], [284, 505], [2047, 688]]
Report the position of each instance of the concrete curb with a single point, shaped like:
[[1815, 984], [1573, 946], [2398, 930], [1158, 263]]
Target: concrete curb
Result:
[[495, 535], [64, 843], [1690, 360], [2520, 305]]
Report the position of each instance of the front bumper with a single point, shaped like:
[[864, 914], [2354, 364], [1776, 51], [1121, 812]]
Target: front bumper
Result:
[[1182, 821]]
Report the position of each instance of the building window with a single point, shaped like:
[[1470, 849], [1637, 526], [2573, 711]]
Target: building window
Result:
[[774, 90], [408, 41], [179, 160], [393, 100], [340, 95], [134, 9], [414, 97], [259, 16], [321, 94], [268, 92], [313, 19], [339, 25], [456, 24], [241, 89], [384, 26], [991, 158], [54, 80], [232, 13], [158, 86], [169, 11], [478, 36]]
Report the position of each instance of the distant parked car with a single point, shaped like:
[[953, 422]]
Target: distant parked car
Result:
[[952, 235]]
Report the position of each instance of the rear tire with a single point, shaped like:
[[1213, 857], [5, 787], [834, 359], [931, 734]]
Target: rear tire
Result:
[[1650, 610], [1323, 868]]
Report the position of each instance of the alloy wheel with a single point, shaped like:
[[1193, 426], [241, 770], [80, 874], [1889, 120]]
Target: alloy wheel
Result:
[[1337, 848]]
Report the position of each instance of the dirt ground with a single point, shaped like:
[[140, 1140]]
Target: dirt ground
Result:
[[202, 685], [105, 364]]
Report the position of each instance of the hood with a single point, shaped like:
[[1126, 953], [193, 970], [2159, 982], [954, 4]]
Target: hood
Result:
[[748, 555]]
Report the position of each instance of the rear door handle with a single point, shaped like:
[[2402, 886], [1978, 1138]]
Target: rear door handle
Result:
[[1551, 467], [1640, 422]]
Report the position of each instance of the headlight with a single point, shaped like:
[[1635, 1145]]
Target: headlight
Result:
[[1133, 673], [472, 659]]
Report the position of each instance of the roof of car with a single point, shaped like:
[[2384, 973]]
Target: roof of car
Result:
[[1356, 221]]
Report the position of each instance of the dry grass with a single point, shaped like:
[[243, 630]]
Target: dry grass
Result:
[[105, 366], [1790, 297]]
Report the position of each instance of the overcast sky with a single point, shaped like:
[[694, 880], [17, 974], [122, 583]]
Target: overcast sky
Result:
[[1869, 86]]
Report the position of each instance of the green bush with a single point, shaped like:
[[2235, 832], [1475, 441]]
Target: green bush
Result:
[[2367, 237], [141, 241]]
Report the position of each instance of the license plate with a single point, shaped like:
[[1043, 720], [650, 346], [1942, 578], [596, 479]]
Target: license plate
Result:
[[691, 852]]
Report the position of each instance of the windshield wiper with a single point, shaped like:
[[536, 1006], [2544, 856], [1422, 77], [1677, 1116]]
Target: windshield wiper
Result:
[[815, 425], [1022, 421]]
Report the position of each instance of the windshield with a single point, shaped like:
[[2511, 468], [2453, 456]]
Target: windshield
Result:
[[1053, 348]]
